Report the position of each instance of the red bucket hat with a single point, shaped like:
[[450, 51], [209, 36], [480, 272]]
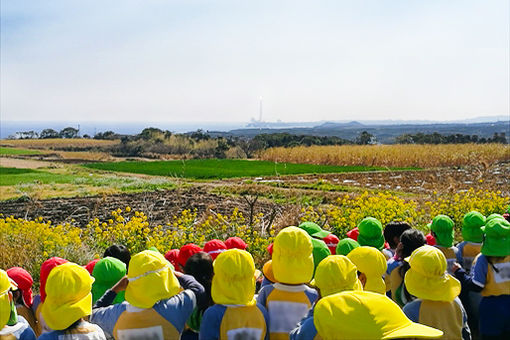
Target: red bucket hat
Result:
[[353, 234], [331, 241], [172, 256], [270, 249], [214, 248], [90, 266], [24, 281], [431, 241], [235, 242], [186, 252], [46, 268]]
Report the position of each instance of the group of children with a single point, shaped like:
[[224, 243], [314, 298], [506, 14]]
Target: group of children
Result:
[[378, 283]]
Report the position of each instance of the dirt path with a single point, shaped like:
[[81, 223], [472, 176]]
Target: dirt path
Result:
[[9, 162]]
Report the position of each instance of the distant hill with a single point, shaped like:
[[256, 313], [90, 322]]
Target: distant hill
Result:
[[385, 134]]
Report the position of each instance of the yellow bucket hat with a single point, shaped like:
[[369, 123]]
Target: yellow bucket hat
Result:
[[372, 263], [150, 279], [292, 256], [335, 274], [234, 278], [427, 278], [366, 315], [5, 305], [68, 296]]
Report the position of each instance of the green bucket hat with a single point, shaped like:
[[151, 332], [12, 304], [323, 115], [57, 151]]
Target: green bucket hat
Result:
[[107, 272], [371, 233], [314, 230], [471, 224], [345, 246], [496, 238], [442, 226], [493, 216], [320, 251]]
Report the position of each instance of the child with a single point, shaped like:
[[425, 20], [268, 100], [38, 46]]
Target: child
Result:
[[12, 326], [371, 235], [267, 270], [490, 275], [392, 233], [364, 315], [200, 266], [473, 235], [235, 243], [320, 251], [155, 306], [172, 256], [289, 300], [120, 252], [23, 295], [345, 246], [90, 266], [214, 248], [410, 240], [314, 230], [107, 272], [235, 314], [371, 266], [68, 301], [185, 253], [46, 269], [331, 241], [335, 274], [442, 230], [437, 304]]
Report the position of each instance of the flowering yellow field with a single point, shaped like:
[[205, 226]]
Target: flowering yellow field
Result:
[[29, 242], [422, 156]]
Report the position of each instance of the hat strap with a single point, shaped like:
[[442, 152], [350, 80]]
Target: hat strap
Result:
[[148, 273], [217, 251]]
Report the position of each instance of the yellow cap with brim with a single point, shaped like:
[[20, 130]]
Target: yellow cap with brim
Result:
[[372, 263], [234, 280], [268, 271], [292, 256], [151, 279], [68, 296], [335, 274], [427, 278], [6, 284], [366, 315]]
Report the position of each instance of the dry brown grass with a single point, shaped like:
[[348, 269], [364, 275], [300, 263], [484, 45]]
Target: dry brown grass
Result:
[[393, 155], [56, 143], [85, 155]]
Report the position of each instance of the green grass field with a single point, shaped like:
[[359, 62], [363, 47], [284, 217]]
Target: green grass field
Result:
[[13, 151], [16, 177], [222, 168]]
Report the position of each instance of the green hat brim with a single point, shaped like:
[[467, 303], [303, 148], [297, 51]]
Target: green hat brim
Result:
[[472, 235], [321, 234], [376, 243], [496, 246], [444, 239]]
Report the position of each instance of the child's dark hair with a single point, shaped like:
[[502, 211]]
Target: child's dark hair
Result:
[[411, 239], [200, 266], [119, 252], [394, 229]]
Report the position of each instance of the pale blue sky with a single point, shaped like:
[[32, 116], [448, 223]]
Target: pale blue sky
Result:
[[194, 60]]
